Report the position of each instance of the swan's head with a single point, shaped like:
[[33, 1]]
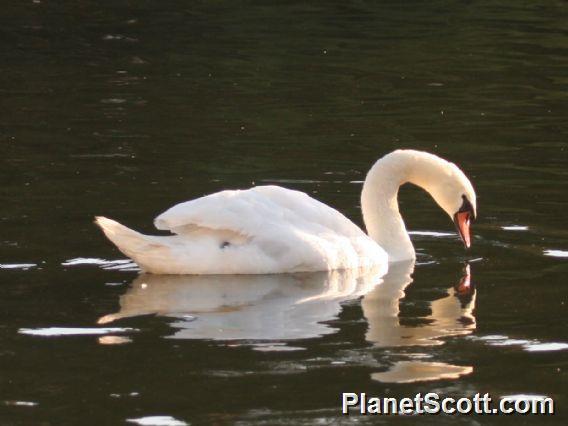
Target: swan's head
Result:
[[447, 184], [453, 192]]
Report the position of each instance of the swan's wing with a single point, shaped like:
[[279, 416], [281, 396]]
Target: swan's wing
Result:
[[269, 229], [257, 211]]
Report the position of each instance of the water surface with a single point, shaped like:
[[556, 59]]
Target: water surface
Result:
[[123, 109]]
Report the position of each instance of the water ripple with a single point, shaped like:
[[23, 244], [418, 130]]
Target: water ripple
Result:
[[73, 331], [157, 421]]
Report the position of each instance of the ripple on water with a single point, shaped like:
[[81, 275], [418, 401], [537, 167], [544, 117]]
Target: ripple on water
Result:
[[276, 347], [525, 397], [114, 340], [157, 421], [420, 371], [21, 266], [545, 347], [73, 331], [527, 345], [21, 403], [118, 264], [515, 228], [432, 234], [556, 253]]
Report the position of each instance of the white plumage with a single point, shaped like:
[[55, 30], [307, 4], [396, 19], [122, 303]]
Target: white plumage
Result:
[[265, 229]]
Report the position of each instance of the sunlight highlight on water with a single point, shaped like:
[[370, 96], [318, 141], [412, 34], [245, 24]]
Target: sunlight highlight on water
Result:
[[22, 266], [157, 421], [73, 331], [420, 371], [556, 253]]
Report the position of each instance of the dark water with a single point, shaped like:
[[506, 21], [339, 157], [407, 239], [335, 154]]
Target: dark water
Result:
[[124, 108]]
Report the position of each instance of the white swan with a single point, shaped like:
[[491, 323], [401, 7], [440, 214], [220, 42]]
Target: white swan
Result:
[[270, 229]]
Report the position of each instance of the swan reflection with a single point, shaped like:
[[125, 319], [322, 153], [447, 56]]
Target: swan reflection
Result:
[[295, 306], [451, 315], [248, 307]]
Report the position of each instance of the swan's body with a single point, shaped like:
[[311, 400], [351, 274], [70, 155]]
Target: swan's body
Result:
[[270, 229], [265, 229]]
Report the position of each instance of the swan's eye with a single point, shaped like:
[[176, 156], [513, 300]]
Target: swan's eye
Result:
[[467, 207]]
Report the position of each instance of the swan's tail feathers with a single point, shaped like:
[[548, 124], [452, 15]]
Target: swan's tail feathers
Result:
[[139, 247]]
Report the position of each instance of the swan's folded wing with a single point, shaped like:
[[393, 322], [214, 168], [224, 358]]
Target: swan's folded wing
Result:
[[256, 211], [241, 212]]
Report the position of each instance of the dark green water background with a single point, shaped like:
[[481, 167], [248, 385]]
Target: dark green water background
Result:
[[124, 108]]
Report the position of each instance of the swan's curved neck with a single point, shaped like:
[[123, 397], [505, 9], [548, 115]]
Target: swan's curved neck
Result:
[[379, 199]]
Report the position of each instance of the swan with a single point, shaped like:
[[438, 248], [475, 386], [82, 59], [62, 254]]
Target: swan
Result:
[[270, 229]]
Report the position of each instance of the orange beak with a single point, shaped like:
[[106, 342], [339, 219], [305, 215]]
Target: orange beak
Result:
[[462, 221]]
